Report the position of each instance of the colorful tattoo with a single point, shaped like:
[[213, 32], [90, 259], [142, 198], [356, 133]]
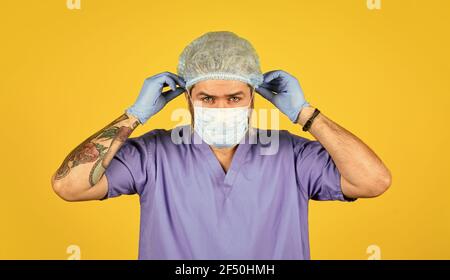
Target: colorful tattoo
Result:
[[92, 151]]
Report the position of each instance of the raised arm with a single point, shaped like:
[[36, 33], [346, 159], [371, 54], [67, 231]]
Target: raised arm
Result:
[[81, 176], [363, 174]]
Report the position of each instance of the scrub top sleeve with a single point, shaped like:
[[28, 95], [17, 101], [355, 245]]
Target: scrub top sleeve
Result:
[[127, 172], [317, 173]]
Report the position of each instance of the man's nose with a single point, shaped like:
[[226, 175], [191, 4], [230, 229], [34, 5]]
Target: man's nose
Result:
[[221, 103]]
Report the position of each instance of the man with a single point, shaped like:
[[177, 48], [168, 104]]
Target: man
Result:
[[223, 197]]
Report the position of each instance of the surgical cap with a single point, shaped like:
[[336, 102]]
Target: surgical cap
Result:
[[220, 55]]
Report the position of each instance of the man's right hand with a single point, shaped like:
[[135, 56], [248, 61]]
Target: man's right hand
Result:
[[151, 99]]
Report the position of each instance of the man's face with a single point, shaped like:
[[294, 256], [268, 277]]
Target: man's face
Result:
[[221, 94]]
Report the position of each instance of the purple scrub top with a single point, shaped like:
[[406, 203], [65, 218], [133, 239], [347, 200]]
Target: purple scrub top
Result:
[[192, 209]]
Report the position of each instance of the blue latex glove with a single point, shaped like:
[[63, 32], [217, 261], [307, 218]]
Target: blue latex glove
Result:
[[284, 91], [151, 99]]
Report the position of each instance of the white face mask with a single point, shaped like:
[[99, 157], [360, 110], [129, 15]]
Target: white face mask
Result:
[[222, 127]]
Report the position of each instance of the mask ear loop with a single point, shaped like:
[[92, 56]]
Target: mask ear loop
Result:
[[191, 104], [252, 93], [250, 114], [188, 93], [190, 97]]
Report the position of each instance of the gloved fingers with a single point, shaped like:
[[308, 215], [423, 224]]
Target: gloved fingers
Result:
[[276, 82], [266, 93], [171, 94], [179, 80], [275, 85], [168, 81], [271, 75]]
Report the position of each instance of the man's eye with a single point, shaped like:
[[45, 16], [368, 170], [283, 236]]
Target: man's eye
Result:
[[235, 99], [207, 99]]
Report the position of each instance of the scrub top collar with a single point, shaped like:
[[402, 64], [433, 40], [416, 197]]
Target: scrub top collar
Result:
[[223, 178]]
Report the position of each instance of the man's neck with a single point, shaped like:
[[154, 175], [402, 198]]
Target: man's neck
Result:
[[224, 156]]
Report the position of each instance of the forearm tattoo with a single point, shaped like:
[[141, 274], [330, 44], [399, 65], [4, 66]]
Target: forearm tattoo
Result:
[[97, 149]]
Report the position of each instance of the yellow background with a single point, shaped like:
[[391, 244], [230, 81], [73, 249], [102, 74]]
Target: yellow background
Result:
[[382, 74]]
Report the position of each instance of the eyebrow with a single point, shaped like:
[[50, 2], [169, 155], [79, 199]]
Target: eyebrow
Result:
[[229, 95]]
